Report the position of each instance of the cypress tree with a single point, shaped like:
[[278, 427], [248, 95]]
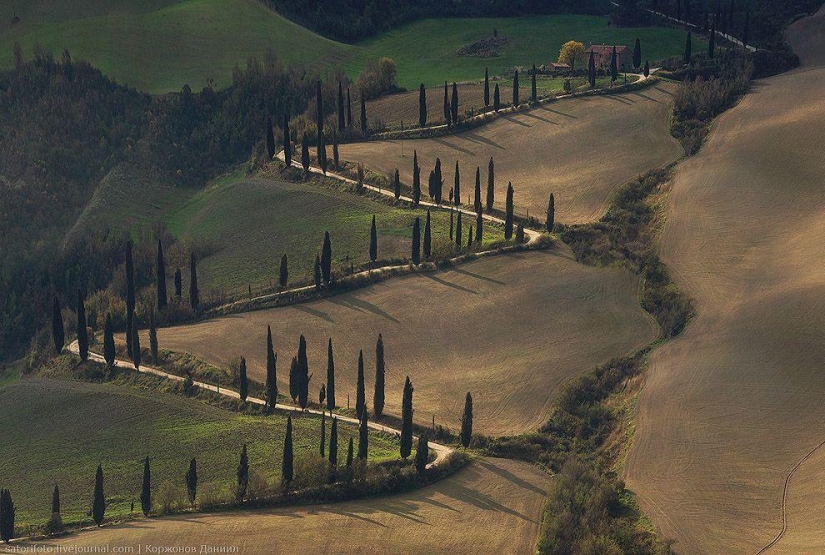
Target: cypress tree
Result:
[[335, 158], [397, 185], [486, 88], [56, 500], [712, 42], [467, 421], [161, 288], [416, 186], [422, 453], [270, 139], [591, 71], [342, 123], [378, 397], [470, 238], [373, 242], [349, 452], [491, 185], [515, 88], [146, 490], [242, 474], [520, 233], [153, 336], [637, 54], [349, 109], [271, 396], [326, 259], [333, 443], [243, 388], [454, 104], [192, 481], [303, 375], [451, 224], [130, 296], [406, 419], [58, 333], [458, 231], [679, 10], [422, 106], [287, 142], [322, 395], [194, 299], [82, 336], [55, 521], [479, 228], [294, 371], [330, 378], [416, 242], [305, 152], [283, 277], [551, 214], [614, 65], [447, 111], [178, 283], [323, 434], [136, 355], [99, 500], [647, 69], [316, 271], [322, 154], [360, 398], [438, 183], [109, 342], [688, 48], [457, 186], [7, 513], [363, 115], [363, 437], [319, 106], [508, 217], [533, 92], [427, 237], [477, 197]]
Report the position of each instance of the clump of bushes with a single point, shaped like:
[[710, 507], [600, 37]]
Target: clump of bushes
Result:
[[377, 78]]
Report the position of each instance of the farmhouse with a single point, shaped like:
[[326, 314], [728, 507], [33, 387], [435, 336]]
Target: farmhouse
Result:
[[603, 52]]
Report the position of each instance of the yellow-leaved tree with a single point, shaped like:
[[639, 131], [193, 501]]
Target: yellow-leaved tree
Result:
[[570, 52]]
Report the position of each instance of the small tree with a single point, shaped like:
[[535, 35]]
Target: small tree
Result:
[[454, 104], [467, 421], [422, 453], [520, 233], [336, 161], [153, 336], [350, 453], [378, 396], [646, 71], [283, 277], [458, 231], [192, 481], [322, 153], [109, 342], [242, 474], [58, 333], [479, 228], [305, 152], [326, 259], [515, 89], [422, 106], [330, 378], [551, 214], [397, 185], [55, 524], [496, 99], [270, 139], [373, 242], [486, 87], [360, 397], [477, 195], [533, 90], [243, 388], [406, 419], [688, 48], [571, 51], [271, 397], [363, 438], [322, 449], [333, 443], [416, 242], [322, 395], [637, 55], [508, 217], [194, 297], [491, 185], [178, 283], [416, 185], [136, 355], [82, 335], [427, 237], [146, 490], [363, 115], [287, 142], [470, 238], [99, 500], [161, 281], [591, 71]]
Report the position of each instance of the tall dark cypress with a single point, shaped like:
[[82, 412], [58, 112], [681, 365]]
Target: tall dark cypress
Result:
[[349, 109], [130, 296], [438, 182], [109, 341], [458, 230], [477, 195], [192, 481], [194, 298], [416, 242], [82, 336], [99, 500], [491, 185], [322, 154], [378, 397], [515, 89], [303, 373], [330, 377], [451, 224], [454, 104], [270, 138], [646, 71], [397, 185], [55, 501], [178, 283], [457, 186], [153, 336], [136, 354], [712, 42], [349, 453], [342, 120], [591, 71], [319, 109], [294, 379], [533, 91], [363, 115], [486, 87], [447, 110], [243, 386], [161, 287], [479, 228], [288, 460], [146, 490], [470, 238], [360, 397], [637, 54], [373, 242], [551, 214], [422, 106], [467, 421], [363, 437], [316, 271], [287, 142], [416, 185], [508, 216], [422, 453], [242, 476], [428, 241], [58, 333], [688, 48], [407, 419], [305, 152], [283, 274], [614, 65], [335, 157], [271, 396], [322, 449], [333, 443], [326, 258], [7, 513]]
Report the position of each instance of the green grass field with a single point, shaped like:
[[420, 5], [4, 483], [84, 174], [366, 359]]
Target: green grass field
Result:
[[160, 45], [60, 430]]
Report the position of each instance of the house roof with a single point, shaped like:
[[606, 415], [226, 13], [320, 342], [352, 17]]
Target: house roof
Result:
[[606, 49]]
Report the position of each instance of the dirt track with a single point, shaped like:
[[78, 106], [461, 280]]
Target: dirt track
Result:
[[732, 405]]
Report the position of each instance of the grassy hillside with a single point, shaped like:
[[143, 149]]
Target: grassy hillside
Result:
[[161, 45], [60, 430]]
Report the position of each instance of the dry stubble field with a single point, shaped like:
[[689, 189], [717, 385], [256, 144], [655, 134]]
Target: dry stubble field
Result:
[[510, 329], [580, 149], [735, 402]]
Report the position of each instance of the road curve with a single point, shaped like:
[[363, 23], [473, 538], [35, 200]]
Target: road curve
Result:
[[442, 451]]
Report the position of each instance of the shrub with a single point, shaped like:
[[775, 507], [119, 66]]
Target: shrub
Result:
[[170, 497], [377, 78]]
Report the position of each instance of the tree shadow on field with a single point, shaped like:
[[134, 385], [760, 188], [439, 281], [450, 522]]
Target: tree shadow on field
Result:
[[474, 137], [450, 284], [446, 144], [514, 119], [506, 474], [481, 500], [532, 114], [618, 98], [478, 276], [663, 91], [646, 97], [361, 305], [571, 116], [314, 312]]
